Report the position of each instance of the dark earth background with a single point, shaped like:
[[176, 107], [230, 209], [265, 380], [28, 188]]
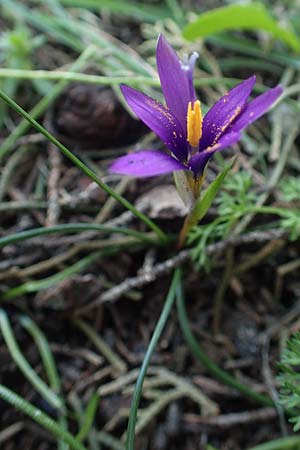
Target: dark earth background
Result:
[[260, 305]]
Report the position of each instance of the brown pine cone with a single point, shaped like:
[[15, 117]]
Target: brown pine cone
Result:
[[90, 116]]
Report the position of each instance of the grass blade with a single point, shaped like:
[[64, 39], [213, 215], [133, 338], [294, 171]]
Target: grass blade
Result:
[[49, 366], [72, 228], [88, 417], [143, 12], [83, 167], [203, 203], [53, 280], [153, 342], [39, 417], [24, 366], [44, 103]]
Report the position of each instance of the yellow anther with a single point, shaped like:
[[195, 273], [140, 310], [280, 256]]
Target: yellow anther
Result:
[[194, 123]]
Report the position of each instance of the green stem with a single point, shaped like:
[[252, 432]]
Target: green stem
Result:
[[24, 366], [102, 80], [53, 280], [45, 352], [83, 167], [50, 368], [8, 143], [39, 417], [189, 222], [72, 228], [141, 11], [88, 417], [215, 370], [153, 342]]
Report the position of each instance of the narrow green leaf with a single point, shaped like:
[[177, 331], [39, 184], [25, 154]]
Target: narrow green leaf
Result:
[[7, 145], [73, 228], [202, 205], [45, 352], [204, 202], [39, 417], [246, 46], [82, 166], [252, 16], [89, 416], [53, 280], [50, 368], [150, 13], [167, 308], [22, 363]]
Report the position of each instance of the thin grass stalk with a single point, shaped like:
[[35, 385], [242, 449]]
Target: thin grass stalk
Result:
[[83, 167], [39, 417], [152, 345], [23, 364], [72, 228], [49, 366], [8, 143]]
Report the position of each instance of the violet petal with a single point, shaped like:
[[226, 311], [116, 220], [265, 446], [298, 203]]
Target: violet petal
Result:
[[198, 162], [159, 119], [224, 112], [256, 108], [146, 163], [174, 80]]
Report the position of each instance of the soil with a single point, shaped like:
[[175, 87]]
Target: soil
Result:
[[259, 305]]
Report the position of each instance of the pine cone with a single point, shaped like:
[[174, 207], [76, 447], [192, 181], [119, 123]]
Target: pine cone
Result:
[[89, 116]]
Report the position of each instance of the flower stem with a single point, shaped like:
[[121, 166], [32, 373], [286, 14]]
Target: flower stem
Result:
[[153, 342], [188, 223]]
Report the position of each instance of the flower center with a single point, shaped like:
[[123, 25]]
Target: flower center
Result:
[[194, 123]]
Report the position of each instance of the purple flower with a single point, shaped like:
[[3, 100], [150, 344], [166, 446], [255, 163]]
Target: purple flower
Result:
[[191, 140]]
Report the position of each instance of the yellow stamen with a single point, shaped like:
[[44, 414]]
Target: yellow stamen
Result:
[[194, 123]]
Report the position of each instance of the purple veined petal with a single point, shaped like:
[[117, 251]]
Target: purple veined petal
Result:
[[159, 119], [175, 79], [224, 112], [146, 163], [198, 162], [256, 108]]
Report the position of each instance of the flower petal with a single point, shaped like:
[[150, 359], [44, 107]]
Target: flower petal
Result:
[[146, 163], [256, 108], [175, 79], [159, 119], [198, 162], [224, 112]]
